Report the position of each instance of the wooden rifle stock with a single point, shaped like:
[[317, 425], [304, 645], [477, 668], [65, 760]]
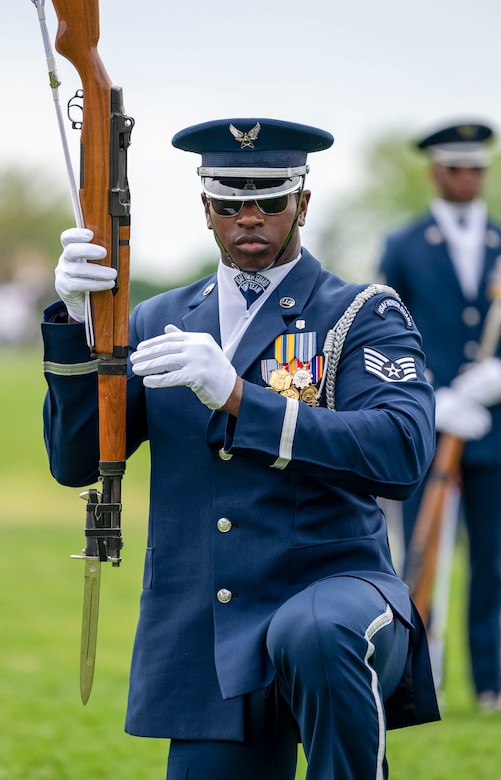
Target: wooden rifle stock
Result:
[[423, 550], [77, 38], [105, 201]]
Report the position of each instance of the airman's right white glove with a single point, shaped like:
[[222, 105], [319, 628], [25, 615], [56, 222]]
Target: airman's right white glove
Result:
[[75, 276], [459, 415], [180, 357]]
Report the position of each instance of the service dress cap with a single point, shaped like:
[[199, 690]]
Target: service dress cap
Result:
[[462, 145], [249, 158]]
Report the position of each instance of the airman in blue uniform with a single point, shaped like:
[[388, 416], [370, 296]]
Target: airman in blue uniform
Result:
[[271, 613], [446, 266]]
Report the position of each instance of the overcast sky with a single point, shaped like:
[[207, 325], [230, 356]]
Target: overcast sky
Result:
[[358, 69]]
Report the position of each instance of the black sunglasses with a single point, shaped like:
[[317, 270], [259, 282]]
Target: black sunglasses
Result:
[[230, 208], [456, 168]]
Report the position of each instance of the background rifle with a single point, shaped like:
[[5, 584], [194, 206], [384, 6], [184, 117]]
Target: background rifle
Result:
[[105, 203], [443, 479]]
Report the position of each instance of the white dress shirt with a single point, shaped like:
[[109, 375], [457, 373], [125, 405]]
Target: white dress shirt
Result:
[[465, 241], [234, 317]]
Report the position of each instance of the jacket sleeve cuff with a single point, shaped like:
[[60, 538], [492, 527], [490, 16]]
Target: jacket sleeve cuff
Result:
[[64, 343]]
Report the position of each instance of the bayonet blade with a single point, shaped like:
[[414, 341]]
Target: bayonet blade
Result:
[[92, 581]]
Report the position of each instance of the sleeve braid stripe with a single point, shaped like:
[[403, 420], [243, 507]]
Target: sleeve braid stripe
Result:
[[72, 369]]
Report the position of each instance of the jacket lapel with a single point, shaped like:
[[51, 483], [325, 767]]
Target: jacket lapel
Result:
[[442, 262], [284, 305], [442, 266], [203, 312]]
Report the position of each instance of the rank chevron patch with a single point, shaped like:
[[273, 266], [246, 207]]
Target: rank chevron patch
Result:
[[400, 370]]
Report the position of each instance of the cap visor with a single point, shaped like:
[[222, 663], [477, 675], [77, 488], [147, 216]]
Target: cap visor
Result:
[[250, 189]]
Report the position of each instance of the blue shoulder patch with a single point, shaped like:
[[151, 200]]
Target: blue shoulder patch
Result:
[[393, 304]]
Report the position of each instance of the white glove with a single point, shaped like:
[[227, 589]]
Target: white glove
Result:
[[191, 359], [75, 276], [481, 382], [457, 414]]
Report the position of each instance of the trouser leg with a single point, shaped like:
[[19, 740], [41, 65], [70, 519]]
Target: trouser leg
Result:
[[339, 652], [482, 496], [269, 751]]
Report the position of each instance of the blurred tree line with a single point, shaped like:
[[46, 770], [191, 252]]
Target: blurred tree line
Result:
[[394, 186], [32, 214]]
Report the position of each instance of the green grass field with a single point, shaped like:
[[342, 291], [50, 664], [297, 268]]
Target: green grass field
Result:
[[45, 731]]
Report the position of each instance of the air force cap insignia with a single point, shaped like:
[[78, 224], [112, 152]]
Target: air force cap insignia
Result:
[[400, 370], [245, 139]]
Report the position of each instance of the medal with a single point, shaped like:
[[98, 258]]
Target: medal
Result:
[[302, 378], [295, 368], [280, 380], [291, 392], [309, 395]]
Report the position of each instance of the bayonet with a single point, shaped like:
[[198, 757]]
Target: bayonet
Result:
[[92, 582]]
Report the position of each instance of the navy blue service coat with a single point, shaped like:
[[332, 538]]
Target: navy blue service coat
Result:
[[297, 483], [417, 263]]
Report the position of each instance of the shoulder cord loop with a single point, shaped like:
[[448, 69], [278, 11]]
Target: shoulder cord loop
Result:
[[335, 338]]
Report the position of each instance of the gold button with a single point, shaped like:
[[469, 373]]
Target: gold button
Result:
[[224, 525], [224, 595]]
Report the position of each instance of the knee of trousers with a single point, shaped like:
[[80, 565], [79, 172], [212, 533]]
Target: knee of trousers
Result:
[[303, 635]]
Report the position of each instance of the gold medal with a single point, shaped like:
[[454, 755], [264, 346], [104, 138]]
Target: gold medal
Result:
[[291, 392], [309, 395], [280, 379]]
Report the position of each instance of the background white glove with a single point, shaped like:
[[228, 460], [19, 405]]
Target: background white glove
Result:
[[457, 414], [481, 382], [75, 276], [190, 359]]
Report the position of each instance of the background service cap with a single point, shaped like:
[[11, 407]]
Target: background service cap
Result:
[[460, 145]]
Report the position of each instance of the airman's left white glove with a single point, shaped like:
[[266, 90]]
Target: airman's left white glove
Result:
[[183, 358], [75, 276], [481, 382]]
